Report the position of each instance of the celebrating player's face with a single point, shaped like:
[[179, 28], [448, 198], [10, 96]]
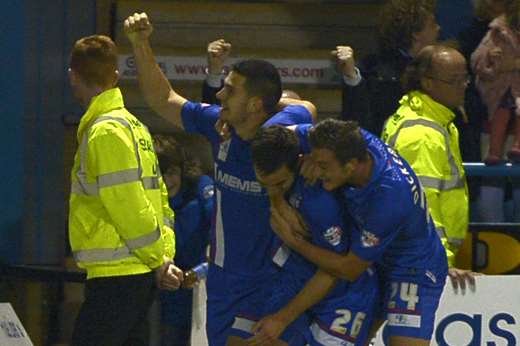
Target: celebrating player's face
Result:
[[234, 98], [333, 173], [276, 183]]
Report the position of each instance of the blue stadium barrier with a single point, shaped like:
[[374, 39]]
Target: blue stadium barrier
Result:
[[479, 169]]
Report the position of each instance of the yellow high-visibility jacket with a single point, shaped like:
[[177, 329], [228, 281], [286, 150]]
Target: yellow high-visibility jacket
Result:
[[423, 133], [119, 220]]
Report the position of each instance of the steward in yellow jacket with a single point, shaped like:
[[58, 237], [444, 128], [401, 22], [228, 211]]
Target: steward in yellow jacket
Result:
[[119, 221], [422, 132], [119, 216]]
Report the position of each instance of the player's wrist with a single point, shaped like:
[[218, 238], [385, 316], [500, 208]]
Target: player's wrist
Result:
[[352, 78], [298, 244], [215, 69], [139, 42], [286, 316]]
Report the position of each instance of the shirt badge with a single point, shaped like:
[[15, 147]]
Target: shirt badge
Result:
[[369, 239], [333, 235]]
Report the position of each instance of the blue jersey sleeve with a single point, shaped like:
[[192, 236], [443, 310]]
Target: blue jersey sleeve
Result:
[[201, 118], [290, 115], [382, 217], [302, 131]]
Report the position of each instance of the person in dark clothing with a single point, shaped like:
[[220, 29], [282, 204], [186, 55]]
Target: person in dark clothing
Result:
[[190, 195], [372, 93]]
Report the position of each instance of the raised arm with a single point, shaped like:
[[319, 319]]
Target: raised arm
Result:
[[354, 88], [156, 88]]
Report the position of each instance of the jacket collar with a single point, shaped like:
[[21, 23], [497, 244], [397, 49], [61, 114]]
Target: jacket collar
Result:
[[100, 104], [424, 106]]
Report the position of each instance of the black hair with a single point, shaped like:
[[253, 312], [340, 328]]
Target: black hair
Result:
[[273, 147], [263, 80], [343, 138]]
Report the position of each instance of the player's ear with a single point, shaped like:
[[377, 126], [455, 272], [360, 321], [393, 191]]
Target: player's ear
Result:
[[254, 104], [350, 166]]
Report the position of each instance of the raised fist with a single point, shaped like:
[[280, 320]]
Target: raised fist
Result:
[[345, 62], [137, 27], [218, 52]]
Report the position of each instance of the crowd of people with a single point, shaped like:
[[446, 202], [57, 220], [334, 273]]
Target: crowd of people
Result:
[[319, 233]]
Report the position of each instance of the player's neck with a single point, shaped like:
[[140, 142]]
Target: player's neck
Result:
[[247, 130]]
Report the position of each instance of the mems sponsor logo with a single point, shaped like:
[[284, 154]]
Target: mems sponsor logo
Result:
[[237, 184]]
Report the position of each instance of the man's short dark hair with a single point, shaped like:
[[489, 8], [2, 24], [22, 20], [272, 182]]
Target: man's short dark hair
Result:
[[343, 138], [273, 147], [263, 80]]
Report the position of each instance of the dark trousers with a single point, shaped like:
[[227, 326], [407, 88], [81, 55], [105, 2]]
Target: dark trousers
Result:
[[115, 311]]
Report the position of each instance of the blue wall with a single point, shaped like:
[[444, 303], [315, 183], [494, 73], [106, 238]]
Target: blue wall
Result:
[[35, 40], [11, 131]]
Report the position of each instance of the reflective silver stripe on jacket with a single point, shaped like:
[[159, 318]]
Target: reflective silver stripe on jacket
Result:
[[441, 232], [98, 255], [116, 178], [144, 240], [150, 183], [82, 187], [457, 242], [168, 222], [456, 180]]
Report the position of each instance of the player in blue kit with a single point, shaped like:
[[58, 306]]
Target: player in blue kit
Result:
[[344, 316], [241, 270], [394, 229]]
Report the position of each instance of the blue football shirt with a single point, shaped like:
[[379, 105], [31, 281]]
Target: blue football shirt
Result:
[[325, 218], [241, 237], [394, 228]]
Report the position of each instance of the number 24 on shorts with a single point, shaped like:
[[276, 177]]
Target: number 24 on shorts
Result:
[[407, 294]]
